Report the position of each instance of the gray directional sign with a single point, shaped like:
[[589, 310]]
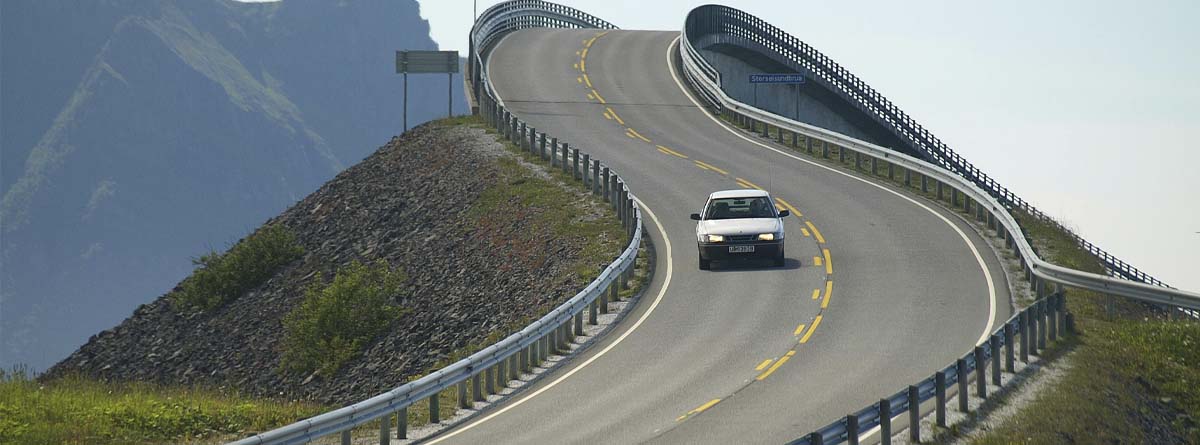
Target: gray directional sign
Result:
[[426, 61]]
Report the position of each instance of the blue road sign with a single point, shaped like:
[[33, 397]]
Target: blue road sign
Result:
[[776, 78]]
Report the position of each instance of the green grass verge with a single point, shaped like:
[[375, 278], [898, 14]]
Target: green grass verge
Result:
[[1135, 375], [76, 410]]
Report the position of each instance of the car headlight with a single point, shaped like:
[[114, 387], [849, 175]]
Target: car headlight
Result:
[[715, 238], [766, 237]]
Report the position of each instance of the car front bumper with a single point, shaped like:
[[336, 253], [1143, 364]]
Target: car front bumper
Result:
[[720, 251]]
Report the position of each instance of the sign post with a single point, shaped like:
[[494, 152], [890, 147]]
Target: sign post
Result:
[[792, 79], [428, 62]]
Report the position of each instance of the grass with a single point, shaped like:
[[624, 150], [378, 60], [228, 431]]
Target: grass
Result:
[[1135, 374], [77, 410], [222, 278], [335, 320]]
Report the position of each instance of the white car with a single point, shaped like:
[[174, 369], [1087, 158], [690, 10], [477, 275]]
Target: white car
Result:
[[740, 224]]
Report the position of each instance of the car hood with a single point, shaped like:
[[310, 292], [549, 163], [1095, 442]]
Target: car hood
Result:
[[742, 226]]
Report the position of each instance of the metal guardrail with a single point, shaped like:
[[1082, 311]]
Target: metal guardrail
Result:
[[504, 361], [709, 20], [721, 24], [988, 202]]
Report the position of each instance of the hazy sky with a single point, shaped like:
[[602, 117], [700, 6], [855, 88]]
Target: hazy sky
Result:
[[1088, 109]]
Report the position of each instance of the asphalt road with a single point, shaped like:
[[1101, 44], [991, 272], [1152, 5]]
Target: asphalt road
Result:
[[717, 356]]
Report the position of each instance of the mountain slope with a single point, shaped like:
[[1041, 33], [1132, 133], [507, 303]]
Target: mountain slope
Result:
[[186, 124]]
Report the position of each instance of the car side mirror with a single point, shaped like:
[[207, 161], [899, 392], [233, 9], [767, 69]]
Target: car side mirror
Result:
[[696, 216], [783, 213]]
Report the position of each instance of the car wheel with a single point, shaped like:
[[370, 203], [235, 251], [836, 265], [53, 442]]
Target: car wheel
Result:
[[705, 264], [779, 259]]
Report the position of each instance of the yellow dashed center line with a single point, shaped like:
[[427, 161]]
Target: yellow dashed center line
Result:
[[638, 135], [777, 364], [583, 65], [805, 232], [587, 80], [795, 211], [614, 115], [816, 261], [707, 166], [816, 233], [745, 183], [828, 293], [671, 152], [799, 330], [763, 364], [583, 55], [601, 99], [607, 116], [816, 322], [816, 295], [828, 263], [699, 409]]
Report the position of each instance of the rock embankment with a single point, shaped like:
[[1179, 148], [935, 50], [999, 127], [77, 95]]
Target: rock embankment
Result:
[[410, 203]]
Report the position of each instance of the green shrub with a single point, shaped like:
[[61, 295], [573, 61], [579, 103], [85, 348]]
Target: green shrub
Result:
[[221, 278], [336, 320]]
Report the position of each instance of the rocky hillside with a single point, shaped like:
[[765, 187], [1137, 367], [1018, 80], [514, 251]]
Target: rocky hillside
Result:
[[437, 203], [138, 133]]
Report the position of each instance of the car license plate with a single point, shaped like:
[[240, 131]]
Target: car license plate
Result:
[[741, 249]]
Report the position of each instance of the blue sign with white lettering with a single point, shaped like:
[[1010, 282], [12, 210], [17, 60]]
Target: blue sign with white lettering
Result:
[[776, 78]]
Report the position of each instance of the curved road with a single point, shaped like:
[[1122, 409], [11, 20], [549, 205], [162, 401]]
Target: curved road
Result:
[[720, 356]]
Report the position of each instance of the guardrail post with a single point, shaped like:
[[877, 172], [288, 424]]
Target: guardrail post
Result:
[[891, 171], [603, 300], [401, 423], [939, 395], [766, 130], [614, 291], [532, 139], [507, 125], [953, 198], [924, 184], [852, 429], [565, 151], [1054, 317], [914, 414], [514, 367], [1009, 356], [995, 352], [779, 136], [579, 323], [546, 344], [980, 373], [553, 341], [501, 375], [489, 380], [593, 311], [541, 152], [841, 154], [567, 336], [1033, 329], [960, 368], [808, 143], [575, 166], [604, 174], [433, 409], [524, 359], [885, 422], [795, 140], [991, 220], [535, 353], [941, 196], [814, 438], [519, 137], [554, 152], [596, 177], [1041, 319], [907, 177], [463, 402], [857, 161], [477, 387], [1023, 327], [825, 149]]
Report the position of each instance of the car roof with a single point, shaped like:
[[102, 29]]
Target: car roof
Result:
[[742, 193]]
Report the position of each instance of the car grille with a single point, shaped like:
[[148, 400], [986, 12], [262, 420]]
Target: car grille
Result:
[[742, 238]]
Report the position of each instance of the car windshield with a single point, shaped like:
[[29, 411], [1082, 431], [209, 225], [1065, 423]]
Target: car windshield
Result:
[[734, 208]]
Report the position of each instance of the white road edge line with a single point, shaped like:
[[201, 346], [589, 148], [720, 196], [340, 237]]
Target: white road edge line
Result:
[[982, 265], [657, 299]]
